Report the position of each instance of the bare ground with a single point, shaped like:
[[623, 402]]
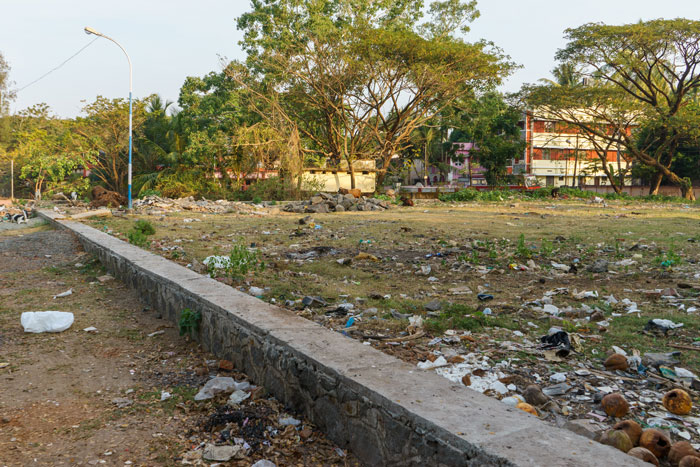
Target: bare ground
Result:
[[57, 390]]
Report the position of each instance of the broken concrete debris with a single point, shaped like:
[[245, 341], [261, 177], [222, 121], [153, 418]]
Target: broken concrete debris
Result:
[[330, 202]]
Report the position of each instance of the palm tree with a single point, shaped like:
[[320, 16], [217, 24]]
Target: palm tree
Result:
[[565, 74]]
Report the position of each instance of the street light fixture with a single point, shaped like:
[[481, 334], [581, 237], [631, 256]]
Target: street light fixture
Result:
[[89, 31]]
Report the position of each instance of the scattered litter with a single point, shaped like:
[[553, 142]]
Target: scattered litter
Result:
[[122, 402], [427, 365], [215, 386], [46, 321], [164, 396], [237, 397], [90, 329], [557, 341], [664, 325], [64, 294], [286, 421]]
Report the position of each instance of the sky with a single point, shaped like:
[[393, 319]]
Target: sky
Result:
[[169, 40]]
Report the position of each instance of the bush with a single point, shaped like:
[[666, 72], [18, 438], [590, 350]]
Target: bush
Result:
[[145, 227], [182, 184], [138, 235], [236, 265]]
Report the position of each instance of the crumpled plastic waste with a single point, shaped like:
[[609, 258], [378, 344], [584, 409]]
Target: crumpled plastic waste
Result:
[[46, 321], [559, 341]]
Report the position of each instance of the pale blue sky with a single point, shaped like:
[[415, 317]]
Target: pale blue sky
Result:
[[169, 40]]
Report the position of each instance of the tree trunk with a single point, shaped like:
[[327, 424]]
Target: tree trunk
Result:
[[687, 191], [656, 183], [351, 169]]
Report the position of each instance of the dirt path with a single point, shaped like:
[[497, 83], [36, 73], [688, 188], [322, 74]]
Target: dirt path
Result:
[[58, 391]]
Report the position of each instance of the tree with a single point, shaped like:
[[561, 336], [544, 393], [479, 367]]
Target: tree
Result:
[[641, 76], [49, 161], [6, 95], [356, 78], [105, 131], [491, 123]]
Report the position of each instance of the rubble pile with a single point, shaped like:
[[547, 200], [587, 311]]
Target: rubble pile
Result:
[[336, 202], [101, 197], [156, 205]]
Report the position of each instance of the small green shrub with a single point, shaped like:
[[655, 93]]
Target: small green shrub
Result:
[[145, 227], [189, 322], [521, 249], [138, 235]]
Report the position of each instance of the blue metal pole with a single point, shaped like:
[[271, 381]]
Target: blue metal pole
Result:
[[130, 145]]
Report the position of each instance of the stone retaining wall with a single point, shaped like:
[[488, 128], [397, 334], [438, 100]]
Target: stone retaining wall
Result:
[[385, 411]]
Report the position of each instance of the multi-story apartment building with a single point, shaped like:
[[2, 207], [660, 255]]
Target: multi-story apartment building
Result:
[[559, 155]]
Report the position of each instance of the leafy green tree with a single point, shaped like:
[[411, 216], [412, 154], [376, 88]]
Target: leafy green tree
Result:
[[356, 78], [49, 158], [491, 123], [642, 81], [104, 130]]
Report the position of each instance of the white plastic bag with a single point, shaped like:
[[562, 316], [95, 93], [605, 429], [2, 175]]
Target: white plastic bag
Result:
[[46, 321]]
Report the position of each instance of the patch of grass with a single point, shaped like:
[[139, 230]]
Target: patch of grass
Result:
[[55, 270], [463, 317]]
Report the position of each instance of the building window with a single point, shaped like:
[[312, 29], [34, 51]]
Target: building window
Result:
[[549, 127], [546, 155]]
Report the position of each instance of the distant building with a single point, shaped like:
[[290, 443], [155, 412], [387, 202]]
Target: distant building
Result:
[[559, 155]]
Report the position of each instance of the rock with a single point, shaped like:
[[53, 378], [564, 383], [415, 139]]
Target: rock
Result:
[[598, 266], [556, 390], [617, 439], [433, 305], [583, 427], [525, 407], [306, 220], [354, 192], [678, 402], [466, 380], [558, 377], [213, 452], [644, 454], [615, 405], [226, 365], [597, 316], [680, 450], [316, 200], [616, 362], [632, 428], [534, 395], [105, 278], [656, 442], [338, 208], [313, 301], [656, 360]]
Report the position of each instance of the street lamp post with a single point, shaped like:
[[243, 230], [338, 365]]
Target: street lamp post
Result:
[[89, 30]]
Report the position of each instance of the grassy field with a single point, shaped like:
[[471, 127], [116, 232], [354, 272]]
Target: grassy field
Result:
[[474, 287], [407, 257]]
